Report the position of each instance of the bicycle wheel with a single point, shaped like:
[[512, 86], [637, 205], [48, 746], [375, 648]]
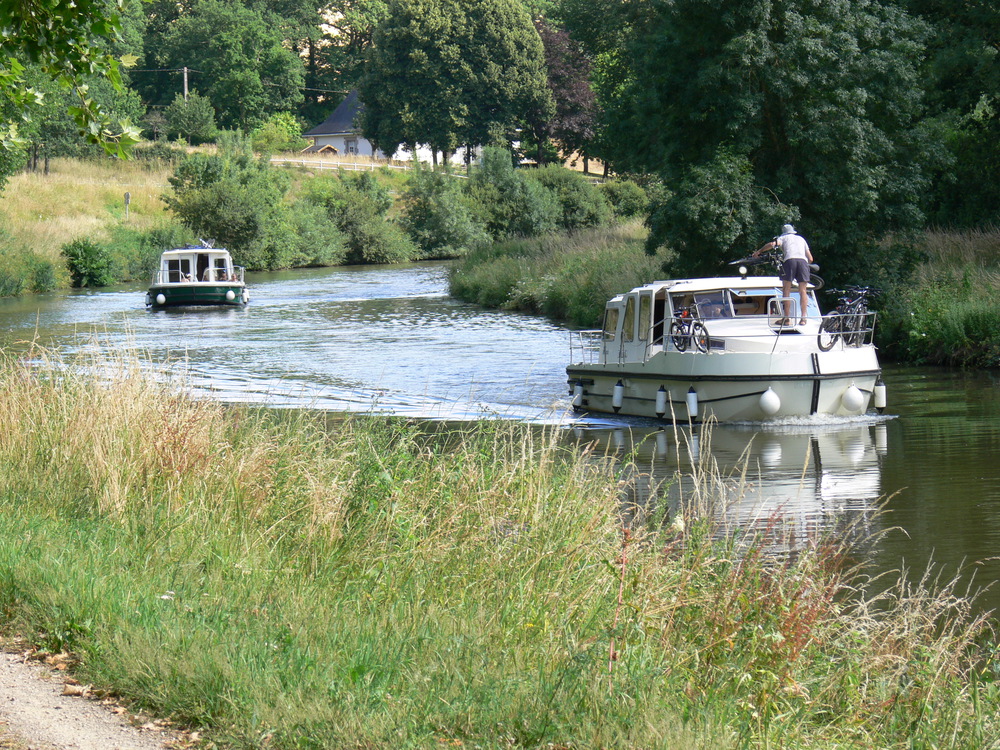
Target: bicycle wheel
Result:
[[854, 324], [679, 335], [829, 331], [699, 334]]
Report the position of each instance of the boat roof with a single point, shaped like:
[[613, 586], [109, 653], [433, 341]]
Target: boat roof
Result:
[[736, 283], [195, 249]]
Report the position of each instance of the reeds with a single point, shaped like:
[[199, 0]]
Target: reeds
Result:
[[568, 276], [277, 583]]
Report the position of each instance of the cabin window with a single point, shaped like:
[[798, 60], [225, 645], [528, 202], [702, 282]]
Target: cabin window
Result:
[[610, 323], [178, 269], [628, 327], [645, 311], [714, 304]]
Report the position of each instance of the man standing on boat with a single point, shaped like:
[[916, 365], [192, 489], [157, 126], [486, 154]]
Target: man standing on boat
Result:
[[796, 258]]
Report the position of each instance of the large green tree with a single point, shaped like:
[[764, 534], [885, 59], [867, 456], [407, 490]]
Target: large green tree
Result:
[[962, 78], [762, 112], [237, 57], [452, 73]]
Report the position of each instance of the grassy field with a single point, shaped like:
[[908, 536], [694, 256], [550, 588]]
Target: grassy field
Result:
[[273, 581]]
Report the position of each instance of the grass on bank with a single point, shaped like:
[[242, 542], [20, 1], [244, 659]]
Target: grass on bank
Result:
[[568, 276], [277, 583]]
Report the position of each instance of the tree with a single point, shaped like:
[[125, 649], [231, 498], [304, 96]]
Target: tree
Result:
[[793, 110], [452, 73], [237, 56], [963, 91], [572, 125], [69, 43], [193, 118]]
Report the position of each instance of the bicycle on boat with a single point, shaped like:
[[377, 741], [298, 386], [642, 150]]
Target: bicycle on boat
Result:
[[850, 320], [686, 330]]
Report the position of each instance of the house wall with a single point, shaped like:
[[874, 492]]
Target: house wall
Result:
[[363, 147]]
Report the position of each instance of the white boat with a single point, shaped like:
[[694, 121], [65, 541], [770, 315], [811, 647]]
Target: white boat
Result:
[[689, 348], [197, 275]]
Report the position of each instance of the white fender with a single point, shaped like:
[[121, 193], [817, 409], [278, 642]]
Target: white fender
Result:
[[769, 402], [853, 399], [692, 402], [661, 401], [617, 396]]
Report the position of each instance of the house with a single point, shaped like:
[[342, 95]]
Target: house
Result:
[[340, 134]]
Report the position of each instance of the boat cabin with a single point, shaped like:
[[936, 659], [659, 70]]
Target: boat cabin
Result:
[[195, 264], [637, 323]]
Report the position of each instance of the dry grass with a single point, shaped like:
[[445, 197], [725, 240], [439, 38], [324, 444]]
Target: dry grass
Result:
[[79, 199]]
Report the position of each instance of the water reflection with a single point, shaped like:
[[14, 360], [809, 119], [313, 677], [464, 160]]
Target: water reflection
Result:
[[793, 480]]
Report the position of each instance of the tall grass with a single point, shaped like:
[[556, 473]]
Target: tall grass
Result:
[[80, 199], [948, 312], [277, 583], [568, 276]]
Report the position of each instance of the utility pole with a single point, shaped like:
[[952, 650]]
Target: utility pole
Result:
[[185, 83]]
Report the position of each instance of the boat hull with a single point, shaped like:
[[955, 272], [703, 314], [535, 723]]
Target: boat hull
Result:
[[730, 386], [197, 294]]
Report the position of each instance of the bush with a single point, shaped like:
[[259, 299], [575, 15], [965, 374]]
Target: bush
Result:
[[438, 216], [581, 203], [157, 153], [89, 263], [509, 203], [626, 198], [281, 132], [358, 206]]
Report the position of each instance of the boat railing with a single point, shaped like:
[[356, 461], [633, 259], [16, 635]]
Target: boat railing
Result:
[[210, 275], [585, 346]]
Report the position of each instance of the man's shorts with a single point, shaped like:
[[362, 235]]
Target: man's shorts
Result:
[[795, 270]]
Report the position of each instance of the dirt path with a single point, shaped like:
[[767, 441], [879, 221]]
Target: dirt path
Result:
[[39, 711]]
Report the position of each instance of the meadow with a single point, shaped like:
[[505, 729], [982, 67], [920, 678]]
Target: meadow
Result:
[[273, 580]]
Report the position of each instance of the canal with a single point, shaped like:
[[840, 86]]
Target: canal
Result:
[[390, 340]]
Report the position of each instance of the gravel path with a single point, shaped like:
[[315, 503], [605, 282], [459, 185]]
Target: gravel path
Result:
[[39, 711]]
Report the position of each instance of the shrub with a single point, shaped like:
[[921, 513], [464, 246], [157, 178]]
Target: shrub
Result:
[[281, 132], [89, 263], [626, 198], [509, 203], [192, 118], [358, 206], [439, 218], [581, 203]]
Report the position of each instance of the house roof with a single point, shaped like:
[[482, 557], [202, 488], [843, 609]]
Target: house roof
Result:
[[342, 121]]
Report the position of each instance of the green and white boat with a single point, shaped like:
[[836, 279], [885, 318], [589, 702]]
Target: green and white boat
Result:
[[197, 275]]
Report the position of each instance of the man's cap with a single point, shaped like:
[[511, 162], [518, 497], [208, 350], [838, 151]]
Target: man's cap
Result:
[[788, 229]]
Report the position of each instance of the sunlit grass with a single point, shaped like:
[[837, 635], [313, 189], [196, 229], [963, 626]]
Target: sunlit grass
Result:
[[79, 199], [276, 582]]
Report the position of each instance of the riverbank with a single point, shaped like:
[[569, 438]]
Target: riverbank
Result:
[[266, 580], [946, 313]]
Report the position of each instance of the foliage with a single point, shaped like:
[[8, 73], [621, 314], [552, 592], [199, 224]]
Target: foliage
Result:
[[480, 62], [439, 217], [581, 203], [89, 264], [281, 132], [236, 201], [192, 118], [573, 122], [962, 85], [69, 43], [814, 109], [237, 55], [511, 204], [358, 206], [626, 198], [24, 271]]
